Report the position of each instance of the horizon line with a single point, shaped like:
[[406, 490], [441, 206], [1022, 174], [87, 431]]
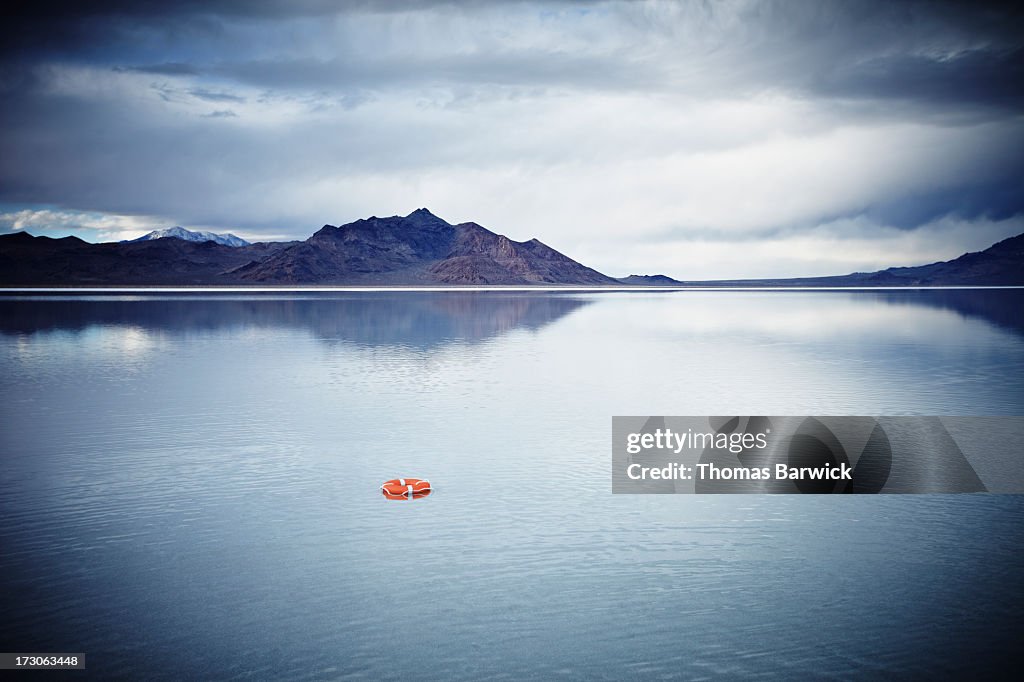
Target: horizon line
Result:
[[471, 288]]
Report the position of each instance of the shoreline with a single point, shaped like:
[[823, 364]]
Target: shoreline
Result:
[[156, 288]]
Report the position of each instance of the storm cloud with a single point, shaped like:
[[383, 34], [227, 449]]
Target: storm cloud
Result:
[[696, 139]]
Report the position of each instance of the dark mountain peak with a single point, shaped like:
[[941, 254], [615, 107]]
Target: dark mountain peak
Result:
[[20, 237], [71, 239], [325, 229], [422, 218]]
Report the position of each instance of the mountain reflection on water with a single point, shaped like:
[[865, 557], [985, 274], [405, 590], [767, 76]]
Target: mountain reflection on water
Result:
[[424, 319], [417, 319]]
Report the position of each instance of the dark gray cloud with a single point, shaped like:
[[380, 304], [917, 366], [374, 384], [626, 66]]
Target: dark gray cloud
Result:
[[214, 96], [992, 77], [165, 69], [997, 200]]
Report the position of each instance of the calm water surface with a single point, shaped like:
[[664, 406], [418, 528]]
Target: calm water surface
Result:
[[189, 484]]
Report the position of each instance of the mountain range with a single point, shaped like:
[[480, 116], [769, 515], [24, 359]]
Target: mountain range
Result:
[[417, 249]]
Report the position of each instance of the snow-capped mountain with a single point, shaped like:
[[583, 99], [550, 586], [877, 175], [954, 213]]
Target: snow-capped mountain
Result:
[[191, 236]]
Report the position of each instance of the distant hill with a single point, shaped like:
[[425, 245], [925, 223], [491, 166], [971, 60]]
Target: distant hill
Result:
[[650, 280], [1001, 264], [417, 249], [192, 236]]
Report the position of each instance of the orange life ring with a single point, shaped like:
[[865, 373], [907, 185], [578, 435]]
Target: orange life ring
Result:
[[405, 488]]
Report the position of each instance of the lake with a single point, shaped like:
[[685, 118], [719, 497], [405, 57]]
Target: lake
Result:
[[190, 486]]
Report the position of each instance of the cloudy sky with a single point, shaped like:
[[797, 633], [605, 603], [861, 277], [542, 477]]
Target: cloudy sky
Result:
[[696, 139]]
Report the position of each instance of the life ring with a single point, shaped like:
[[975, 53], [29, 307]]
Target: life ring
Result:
[[405, 488]]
